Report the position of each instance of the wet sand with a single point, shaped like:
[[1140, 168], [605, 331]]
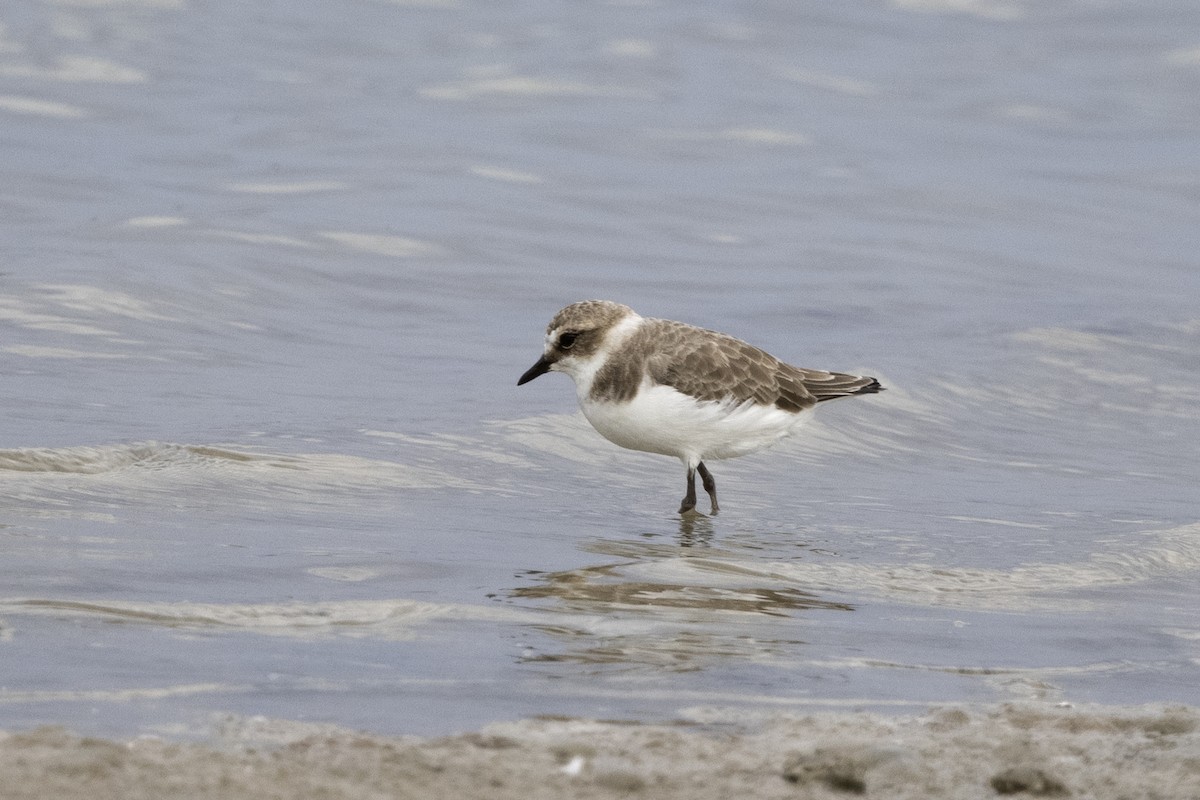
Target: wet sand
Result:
[[1027, 751]]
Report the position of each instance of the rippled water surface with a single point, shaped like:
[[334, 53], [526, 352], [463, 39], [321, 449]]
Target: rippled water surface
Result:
[[270, 273]]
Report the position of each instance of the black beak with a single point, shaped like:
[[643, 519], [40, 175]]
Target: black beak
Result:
[[540, 368]]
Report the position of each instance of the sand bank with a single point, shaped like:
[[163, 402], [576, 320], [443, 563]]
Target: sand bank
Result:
[[951, 752]]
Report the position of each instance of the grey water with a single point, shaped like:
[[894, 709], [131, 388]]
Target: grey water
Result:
[[270, 272]]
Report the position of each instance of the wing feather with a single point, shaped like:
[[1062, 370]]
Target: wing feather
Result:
[[714, 366]]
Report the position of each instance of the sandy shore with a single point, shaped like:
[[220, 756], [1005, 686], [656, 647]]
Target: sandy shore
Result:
[[956, 752]]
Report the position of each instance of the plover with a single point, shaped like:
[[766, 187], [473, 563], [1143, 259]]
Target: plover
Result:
[[671, 388]]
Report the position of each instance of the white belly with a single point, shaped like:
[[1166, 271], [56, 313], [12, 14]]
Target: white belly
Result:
[[662, 420]]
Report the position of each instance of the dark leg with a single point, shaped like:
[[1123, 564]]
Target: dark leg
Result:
[[689, 499], [710, 485]]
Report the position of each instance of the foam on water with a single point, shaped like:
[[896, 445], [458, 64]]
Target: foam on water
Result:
[[156, 465], [389, 620]]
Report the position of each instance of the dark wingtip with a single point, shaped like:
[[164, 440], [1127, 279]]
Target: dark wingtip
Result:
[[847, 389]]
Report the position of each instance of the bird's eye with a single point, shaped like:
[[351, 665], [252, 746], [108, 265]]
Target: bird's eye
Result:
[[567, 340]]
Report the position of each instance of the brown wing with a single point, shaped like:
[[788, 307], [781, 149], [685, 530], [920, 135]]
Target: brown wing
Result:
[[713, 366]]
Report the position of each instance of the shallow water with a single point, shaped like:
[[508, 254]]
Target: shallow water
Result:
[[270, 278]]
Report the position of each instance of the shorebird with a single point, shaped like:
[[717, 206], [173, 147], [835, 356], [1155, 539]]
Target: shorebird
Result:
[[668, 387]]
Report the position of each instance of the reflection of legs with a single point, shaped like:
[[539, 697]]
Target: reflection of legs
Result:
[[710, 485], [689, 499], [695, 530]]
